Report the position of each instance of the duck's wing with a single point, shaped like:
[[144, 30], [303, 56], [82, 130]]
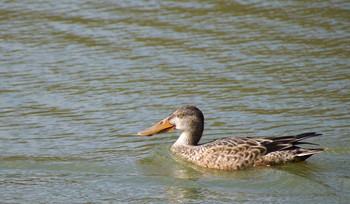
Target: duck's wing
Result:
[[241, 152], [274, 144], [231, 153]]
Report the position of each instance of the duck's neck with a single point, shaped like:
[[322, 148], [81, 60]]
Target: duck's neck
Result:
[[189, 138]]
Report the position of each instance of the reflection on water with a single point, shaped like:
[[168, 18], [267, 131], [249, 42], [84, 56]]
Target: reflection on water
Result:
[[79, 79]]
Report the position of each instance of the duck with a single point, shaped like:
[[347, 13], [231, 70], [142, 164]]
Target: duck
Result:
[[229, 153]]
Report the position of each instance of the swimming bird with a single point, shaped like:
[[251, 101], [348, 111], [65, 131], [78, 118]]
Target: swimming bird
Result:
[[230, 153]]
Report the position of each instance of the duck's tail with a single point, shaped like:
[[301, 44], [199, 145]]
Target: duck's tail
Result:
[[286, 149]]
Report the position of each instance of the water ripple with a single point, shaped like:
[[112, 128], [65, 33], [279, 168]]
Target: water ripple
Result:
[[78, 80]]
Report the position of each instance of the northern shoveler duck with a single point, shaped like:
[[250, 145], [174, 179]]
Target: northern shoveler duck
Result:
[[230, 153]]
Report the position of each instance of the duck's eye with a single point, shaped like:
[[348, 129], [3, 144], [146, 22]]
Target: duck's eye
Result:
[[180, 115]]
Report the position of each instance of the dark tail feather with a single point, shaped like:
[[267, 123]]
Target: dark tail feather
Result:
[[291, 142], [303, 154], [296, 138]]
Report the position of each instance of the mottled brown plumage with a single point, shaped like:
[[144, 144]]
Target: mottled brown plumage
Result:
[[229, 153]]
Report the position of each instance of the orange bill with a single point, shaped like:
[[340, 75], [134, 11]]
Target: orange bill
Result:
[[161, 127]]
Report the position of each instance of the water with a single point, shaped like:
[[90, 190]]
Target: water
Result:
[[78, 80]]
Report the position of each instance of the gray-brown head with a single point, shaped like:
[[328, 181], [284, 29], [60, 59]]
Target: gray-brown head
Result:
[[188, 119]]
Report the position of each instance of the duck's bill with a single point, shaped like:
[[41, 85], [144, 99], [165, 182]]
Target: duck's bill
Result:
[[161, 127]]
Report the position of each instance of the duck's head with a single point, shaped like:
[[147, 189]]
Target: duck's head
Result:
[[188, 119]]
